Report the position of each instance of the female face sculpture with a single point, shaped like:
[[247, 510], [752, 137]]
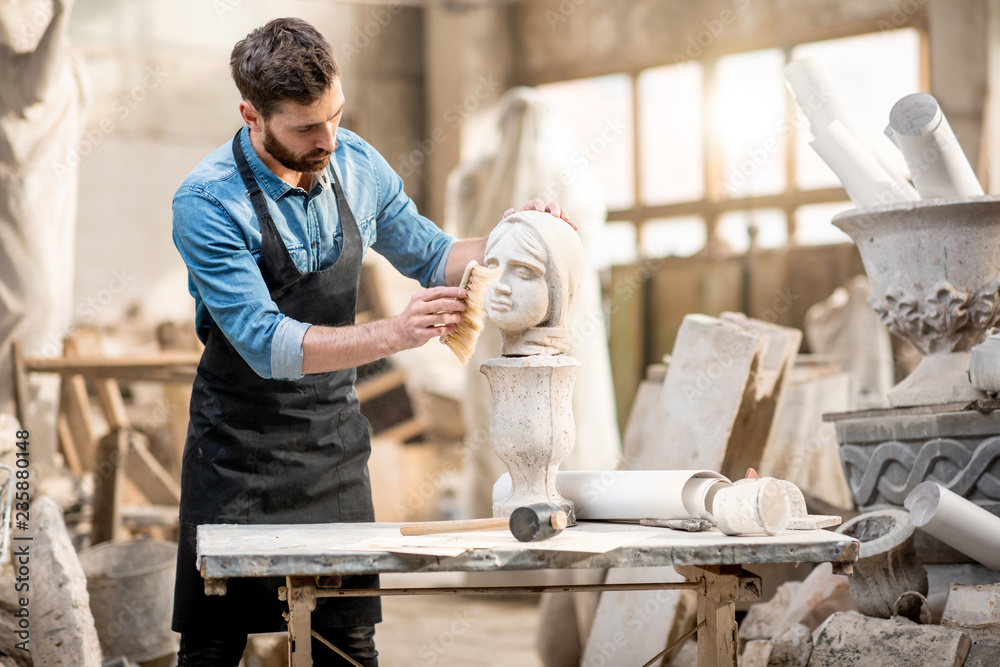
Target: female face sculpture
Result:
[[540, 259]]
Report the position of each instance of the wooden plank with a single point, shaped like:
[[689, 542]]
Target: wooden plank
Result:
[[627, 340], [20, 379], [109, 482], [148, 475], [380, 384], [168, 367], [724, 586], [74, 405], [67, 446], [404, 431]]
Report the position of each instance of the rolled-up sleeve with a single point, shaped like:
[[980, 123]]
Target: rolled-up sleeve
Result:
[[224, 273], [412, 243]]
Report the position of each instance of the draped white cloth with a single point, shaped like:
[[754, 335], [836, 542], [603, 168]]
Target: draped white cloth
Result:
[[533, 155]]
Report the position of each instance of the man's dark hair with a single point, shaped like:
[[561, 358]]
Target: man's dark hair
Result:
[[285, 59]]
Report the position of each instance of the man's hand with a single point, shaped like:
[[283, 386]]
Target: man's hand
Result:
[[433, 312], [539, 205]]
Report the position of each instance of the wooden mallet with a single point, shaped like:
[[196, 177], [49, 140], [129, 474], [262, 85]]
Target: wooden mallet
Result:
[[528, 524]]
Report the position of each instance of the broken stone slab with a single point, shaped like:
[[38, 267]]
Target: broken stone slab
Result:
[[723, 385], [63, 630], [849, 639], [974, 609]]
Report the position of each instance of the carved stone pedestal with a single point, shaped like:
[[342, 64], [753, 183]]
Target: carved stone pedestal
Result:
[[886, 453], [531, 427]]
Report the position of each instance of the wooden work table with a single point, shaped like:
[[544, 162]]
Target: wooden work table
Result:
[[313, 557]]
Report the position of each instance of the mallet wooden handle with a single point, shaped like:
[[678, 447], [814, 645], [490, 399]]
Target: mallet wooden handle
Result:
[[461, 526]]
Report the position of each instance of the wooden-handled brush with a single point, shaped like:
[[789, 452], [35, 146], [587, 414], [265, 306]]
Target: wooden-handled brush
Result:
[[476, 282]]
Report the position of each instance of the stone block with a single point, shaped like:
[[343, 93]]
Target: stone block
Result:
[[983, 653], [63, 631], [974, 609], [848, 639]]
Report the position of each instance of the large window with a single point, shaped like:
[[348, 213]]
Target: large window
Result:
[[714, 152]]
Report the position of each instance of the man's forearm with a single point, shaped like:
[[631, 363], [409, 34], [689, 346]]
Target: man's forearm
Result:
[[430, 313], [326, 349], [461, 254]]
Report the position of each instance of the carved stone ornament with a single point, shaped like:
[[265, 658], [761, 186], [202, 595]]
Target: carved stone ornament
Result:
[[943, 319], [934, 267], [889, 472]]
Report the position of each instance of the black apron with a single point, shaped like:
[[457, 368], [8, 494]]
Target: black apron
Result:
[[262, 451]]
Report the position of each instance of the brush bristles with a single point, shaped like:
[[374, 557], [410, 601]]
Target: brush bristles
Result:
[[462, 341]]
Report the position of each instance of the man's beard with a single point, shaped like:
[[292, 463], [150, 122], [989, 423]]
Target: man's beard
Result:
[[288, 159]]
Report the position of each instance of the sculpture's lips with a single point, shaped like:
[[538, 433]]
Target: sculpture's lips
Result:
[[501, 305]]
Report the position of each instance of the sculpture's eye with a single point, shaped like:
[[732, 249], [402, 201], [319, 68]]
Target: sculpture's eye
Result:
[[524, 273], [491, 262]]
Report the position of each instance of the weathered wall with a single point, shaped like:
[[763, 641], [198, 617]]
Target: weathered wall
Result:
[[163, 99]]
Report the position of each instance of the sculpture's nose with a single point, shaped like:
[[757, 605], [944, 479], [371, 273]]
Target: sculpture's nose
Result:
[[502, 287]]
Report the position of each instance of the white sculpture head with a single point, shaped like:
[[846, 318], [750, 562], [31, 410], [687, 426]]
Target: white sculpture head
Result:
[[23, 23], [541, 262]]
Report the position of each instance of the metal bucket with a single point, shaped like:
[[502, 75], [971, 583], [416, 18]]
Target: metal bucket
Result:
[[131, 586]]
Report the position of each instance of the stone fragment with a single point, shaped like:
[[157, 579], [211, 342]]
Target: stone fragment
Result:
[[62, 629], [821, 593], [791, 648], [974, 609], [757, 653], [983, 653], [762, 619], [848, 639]]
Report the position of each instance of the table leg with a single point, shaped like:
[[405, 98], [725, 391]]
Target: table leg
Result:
[[724, 586], [300, 594]]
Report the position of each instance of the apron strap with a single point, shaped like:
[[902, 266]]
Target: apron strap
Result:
[[276, 265]]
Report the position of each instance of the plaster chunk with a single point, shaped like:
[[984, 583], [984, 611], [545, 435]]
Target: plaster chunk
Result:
[[974, 609], [62, 628], [848, 639]]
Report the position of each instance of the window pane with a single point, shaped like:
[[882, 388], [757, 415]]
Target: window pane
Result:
[[598, 112], [616, 245], [734, 228], [682, 236], [670, 124], [871, 72], [748, 118], [813, 226]]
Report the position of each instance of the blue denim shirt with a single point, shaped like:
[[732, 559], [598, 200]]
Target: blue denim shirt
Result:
[[219, 238]]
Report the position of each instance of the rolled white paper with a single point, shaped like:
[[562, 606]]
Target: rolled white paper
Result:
[[937, 163], [817, 96], [959, 523], [866, 182], [634, 494]]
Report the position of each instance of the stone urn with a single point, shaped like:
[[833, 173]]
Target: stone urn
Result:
[[934, 267], [532, 428], [888, 566]]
